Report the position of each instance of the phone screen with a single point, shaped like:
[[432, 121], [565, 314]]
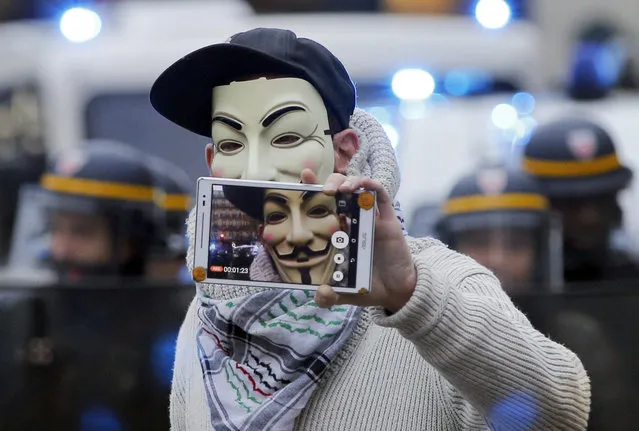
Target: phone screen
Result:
[[308, 238]]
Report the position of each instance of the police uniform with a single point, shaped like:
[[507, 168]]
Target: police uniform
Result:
[[575, 159], [109, 369]]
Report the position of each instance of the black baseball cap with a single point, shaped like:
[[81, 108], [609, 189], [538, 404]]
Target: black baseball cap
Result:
[[183, 92], [249, 200]]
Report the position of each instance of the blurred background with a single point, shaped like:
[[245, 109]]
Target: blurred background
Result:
[[496, 109]]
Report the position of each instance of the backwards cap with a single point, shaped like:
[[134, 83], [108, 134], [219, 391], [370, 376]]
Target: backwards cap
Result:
[[183, 93]]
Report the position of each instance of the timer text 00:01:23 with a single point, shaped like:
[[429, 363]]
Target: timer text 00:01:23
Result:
[[231, 269]]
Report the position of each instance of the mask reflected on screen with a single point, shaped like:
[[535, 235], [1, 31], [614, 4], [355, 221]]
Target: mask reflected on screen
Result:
[[297, 234]]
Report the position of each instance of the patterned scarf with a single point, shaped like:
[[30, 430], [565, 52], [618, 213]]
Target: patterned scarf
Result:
[[262, 355]]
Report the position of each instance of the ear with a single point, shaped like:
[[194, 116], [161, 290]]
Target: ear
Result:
[[209, 157], [345, 144]]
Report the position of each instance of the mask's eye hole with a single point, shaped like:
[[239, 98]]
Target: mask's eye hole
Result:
[[287, 140], [319, 212], [275, 218], [230, 147]]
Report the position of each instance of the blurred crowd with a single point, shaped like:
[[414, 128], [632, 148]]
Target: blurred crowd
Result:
[[107, 209], [556, 220]]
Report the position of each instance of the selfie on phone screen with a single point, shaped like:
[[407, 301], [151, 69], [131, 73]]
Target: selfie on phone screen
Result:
[[310, 237]]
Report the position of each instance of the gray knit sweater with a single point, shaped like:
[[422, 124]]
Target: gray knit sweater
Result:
[[458, 356]]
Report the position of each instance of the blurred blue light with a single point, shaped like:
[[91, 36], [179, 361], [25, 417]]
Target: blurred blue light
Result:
[[413, 84], [604, 59], [504, 116], [163, 356], [516, 412], [80, 24], [522, 130], [464, 82], [99, 418], [457, 83], [524, 103], [493, 14]]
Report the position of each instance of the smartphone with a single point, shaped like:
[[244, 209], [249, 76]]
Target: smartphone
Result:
[[249, 231]]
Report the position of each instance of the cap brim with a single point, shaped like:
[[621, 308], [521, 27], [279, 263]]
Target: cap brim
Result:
[[183, 93], [587, 186]]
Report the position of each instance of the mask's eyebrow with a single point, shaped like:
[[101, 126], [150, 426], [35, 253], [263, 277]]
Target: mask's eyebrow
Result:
[[276, 198], [228, 121], [307, 195], [270, 118]]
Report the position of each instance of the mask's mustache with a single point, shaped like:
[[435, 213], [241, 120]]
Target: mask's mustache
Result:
[[308, 253]]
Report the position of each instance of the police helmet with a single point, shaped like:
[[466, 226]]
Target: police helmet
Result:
[[109, 179], [496, 198], [575, 157]]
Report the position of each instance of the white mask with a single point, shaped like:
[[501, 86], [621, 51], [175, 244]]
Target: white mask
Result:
[[270, 130]]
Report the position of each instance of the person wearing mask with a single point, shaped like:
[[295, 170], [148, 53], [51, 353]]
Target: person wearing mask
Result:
[[436, 345], [577, 165], [501, 219]]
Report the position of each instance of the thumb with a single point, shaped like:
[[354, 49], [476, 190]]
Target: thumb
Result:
[[326, 297], [309, 177]]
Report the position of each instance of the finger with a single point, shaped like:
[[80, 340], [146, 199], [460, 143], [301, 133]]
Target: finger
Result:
[[333, 182], [351, 184], [309, 177], [326, 297]]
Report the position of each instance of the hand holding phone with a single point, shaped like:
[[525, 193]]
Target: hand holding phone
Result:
[[248, 231], [394, 271]]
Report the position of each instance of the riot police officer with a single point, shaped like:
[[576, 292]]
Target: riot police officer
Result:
[[577, 164], [100, 209], [501, 219]]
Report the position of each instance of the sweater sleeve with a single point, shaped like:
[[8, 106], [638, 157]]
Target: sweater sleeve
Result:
[[499, 370]]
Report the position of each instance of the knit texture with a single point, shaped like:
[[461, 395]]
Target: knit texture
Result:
[[457, 356]]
